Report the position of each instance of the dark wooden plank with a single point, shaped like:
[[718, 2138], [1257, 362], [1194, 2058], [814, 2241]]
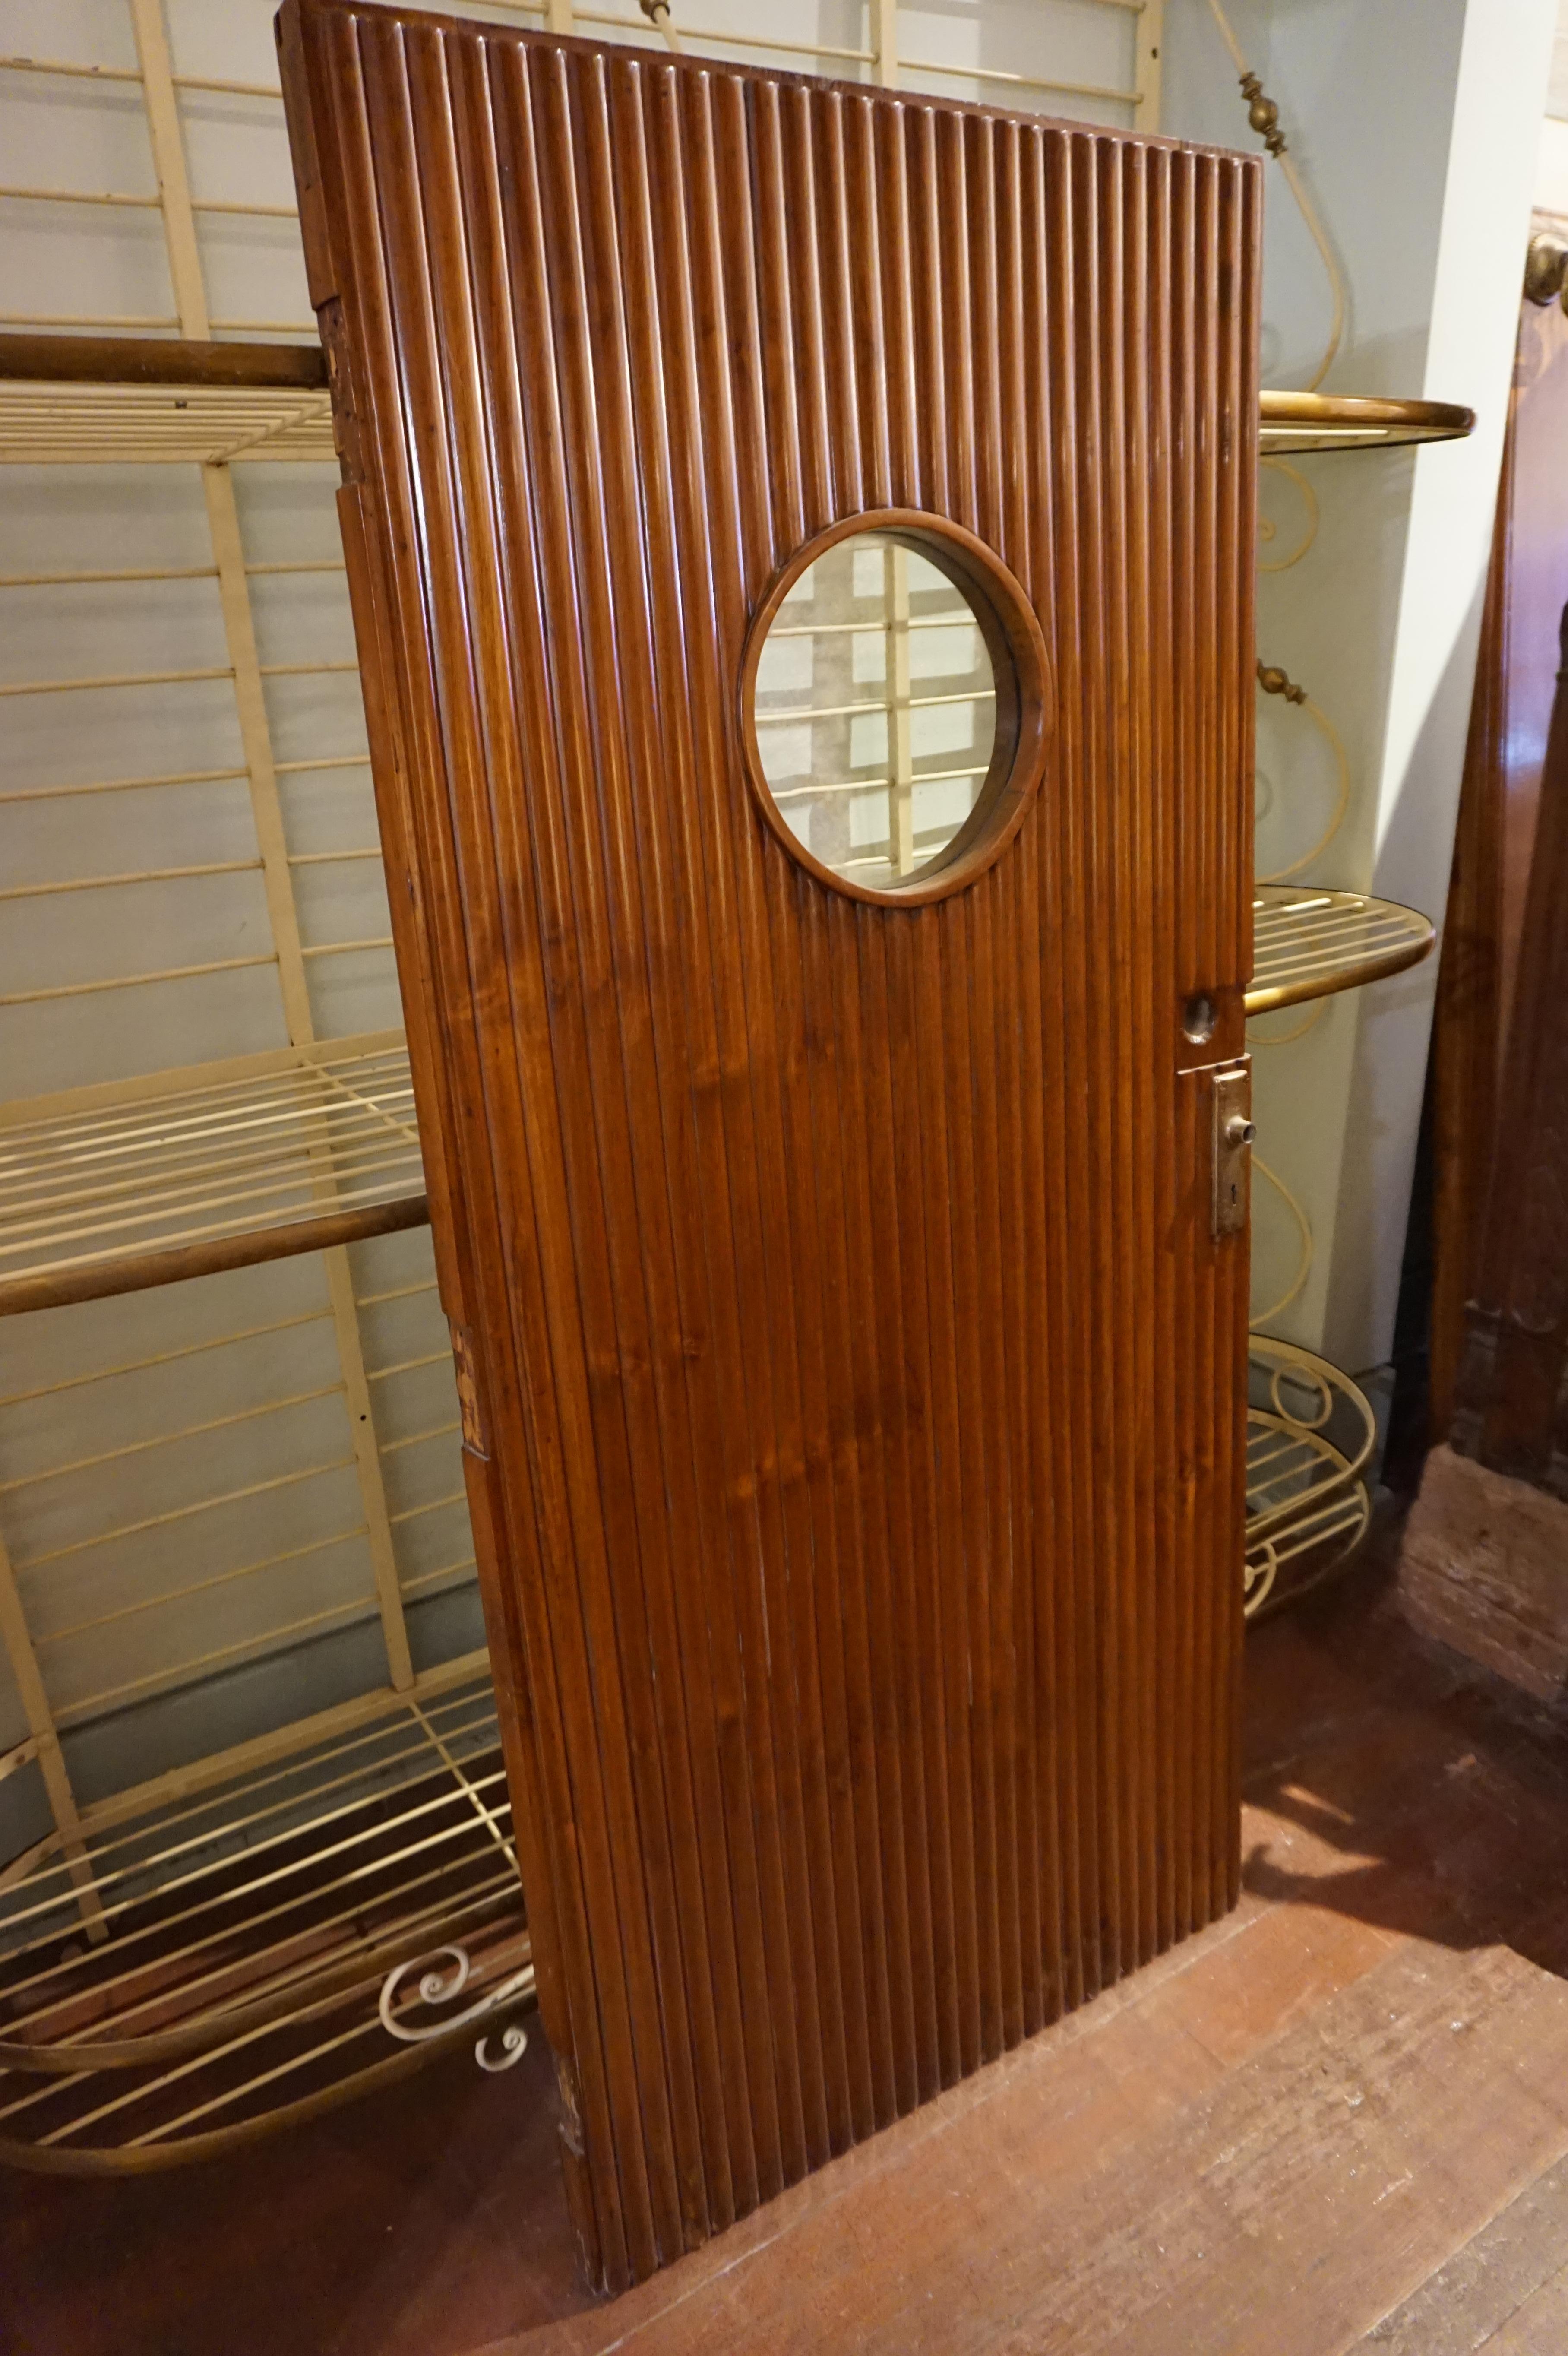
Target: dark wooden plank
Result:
[[138, 1270], [1539, 2324], [148, 360], [1484, 2294]]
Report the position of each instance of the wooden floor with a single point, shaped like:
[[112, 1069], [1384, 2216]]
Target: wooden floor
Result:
[[1339, 2120]]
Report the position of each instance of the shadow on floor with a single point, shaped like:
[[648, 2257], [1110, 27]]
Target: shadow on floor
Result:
[[1414, 1791]]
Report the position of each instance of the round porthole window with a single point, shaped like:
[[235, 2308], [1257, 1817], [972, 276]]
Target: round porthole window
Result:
[[894, 706]]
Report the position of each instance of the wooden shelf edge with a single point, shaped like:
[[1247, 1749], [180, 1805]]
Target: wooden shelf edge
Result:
[[150, 359], [140, 1271]]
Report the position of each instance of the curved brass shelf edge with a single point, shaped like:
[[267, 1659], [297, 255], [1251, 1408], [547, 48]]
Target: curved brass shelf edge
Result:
[[1318, 421], [1348, 976], [149, 2159], [1278, 1518]]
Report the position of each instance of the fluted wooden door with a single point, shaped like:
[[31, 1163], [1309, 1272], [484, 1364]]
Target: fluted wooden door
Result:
[[849, 1339]]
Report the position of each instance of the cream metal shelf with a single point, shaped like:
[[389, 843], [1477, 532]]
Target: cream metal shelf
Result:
[[1294, 422], [110, 1189], [1311, 1434], [1308, 943], [226, 1954], [98, 400]]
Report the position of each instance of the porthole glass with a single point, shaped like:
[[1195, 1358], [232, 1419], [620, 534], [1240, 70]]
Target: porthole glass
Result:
[[875, 707]]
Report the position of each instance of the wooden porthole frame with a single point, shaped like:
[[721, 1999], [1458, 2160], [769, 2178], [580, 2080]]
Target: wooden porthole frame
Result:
[[1025, 701]]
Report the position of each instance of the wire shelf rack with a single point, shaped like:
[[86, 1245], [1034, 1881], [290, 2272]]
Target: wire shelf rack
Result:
[[1311, 1434], [1308, 943], [109, 1189], [95, 400], [250, 1953], [1294, 422], [109, 424]]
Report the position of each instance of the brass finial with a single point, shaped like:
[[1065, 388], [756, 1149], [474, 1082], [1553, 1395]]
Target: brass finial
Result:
[[1275, 681], [1262, 114], [1545, 268]]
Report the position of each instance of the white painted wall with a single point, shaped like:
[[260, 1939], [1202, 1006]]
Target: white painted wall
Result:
[[1416, 127]]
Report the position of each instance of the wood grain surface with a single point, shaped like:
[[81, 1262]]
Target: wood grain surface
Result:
[[1511, 1390], [856, 1450], [1501, 805]]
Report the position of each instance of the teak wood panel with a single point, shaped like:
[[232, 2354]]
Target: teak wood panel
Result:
[[853, 1389], [1511, 1390]]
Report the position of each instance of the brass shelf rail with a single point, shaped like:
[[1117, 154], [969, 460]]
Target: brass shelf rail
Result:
[[1310, 943], [110, 1189], [219, 1958], [1311, 1434], [1294, 422]]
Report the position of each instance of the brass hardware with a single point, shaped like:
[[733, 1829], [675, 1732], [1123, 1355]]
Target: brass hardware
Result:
[[1262, 114], [1545, 269], [1275, 681], [1231, 1090]]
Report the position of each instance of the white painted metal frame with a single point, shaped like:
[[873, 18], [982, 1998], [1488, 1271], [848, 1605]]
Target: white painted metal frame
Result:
[[386, 1833], [339, 1140]]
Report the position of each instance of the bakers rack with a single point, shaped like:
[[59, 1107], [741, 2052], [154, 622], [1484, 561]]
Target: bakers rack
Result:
[[1311, 1431], [326, 1894]]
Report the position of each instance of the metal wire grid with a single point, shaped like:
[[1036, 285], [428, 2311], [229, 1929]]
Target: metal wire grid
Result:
[[237, 1153], [95, 424], [88, 1192], [1311, 1434], [213, 1966], [103, 1608], [1308, 943]]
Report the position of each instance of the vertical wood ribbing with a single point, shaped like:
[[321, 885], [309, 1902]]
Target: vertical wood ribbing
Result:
[[862, 1383]]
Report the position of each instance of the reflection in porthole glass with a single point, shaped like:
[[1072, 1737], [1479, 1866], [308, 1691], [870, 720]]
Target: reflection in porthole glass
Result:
[[875, 710]]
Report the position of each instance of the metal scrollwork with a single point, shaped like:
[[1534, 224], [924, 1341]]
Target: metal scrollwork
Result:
[[442, 1977]]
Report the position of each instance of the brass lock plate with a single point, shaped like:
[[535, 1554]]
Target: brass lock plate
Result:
[[1231, 1152]]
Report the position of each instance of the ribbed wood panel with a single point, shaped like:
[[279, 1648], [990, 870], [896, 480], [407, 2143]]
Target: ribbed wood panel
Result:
[[856, 1424]]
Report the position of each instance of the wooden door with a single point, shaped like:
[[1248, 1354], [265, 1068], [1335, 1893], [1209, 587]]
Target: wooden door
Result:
[[850, 1339]]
